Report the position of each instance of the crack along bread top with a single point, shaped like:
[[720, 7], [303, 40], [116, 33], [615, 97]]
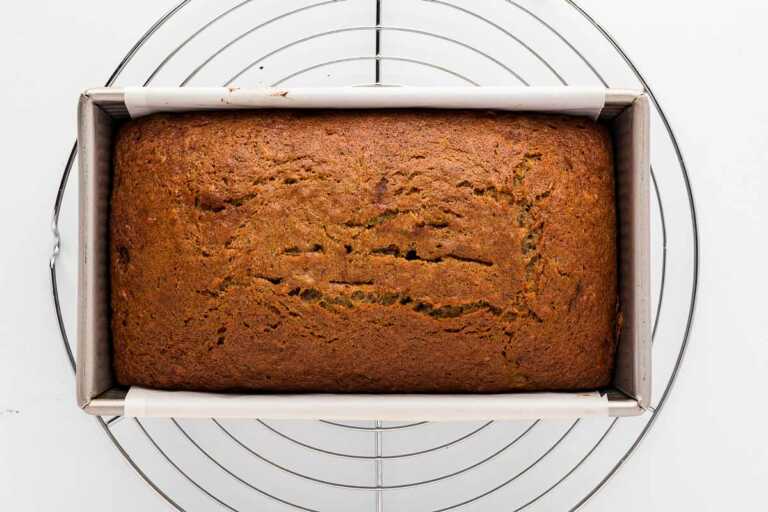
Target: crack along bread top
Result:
[[363, 251]]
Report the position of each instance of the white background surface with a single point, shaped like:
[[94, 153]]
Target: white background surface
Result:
[[705, 61]]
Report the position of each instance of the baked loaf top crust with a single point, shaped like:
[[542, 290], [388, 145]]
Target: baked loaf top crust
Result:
[[370, 251]]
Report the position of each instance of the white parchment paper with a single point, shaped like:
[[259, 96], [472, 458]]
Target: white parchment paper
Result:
[[583, 101], [141, 402]]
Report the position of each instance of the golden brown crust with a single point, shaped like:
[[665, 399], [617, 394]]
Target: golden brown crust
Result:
[[363, 251]]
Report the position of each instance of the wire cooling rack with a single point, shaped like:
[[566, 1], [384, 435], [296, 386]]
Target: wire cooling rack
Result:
[[383, 466]]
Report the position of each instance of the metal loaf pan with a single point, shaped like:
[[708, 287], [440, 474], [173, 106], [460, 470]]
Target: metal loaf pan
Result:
[[627, 112]]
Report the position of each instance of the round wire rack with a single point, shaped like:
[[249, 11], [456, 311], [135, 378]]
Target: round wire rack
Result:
[[373, 465]]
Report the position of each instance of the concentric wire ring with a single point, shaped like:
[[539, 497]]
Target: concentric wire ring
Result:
[[373, 429], [395, 456], [379, 430], [372, 28], [374, 58], [382, 487]]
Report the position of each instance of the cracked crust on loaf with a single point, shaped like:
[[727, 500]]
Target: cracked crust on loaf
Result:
[[369, 251]]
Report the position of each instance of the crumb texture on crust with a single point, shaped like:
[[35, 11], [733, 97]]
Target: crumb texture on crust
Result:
[[374, 251]]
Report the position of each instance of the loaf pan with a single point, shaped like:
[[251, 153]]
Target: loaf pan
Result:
[[626, 112]]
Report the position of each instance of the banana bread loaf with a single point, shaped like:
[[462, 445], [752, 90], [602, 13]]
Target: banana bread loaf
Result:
[[363, 251]]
